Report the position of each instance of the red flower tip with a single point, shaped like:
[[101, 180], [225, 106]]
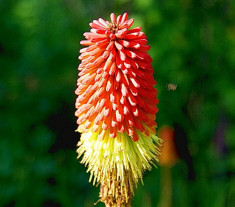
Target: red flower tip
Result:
[[115, 88]]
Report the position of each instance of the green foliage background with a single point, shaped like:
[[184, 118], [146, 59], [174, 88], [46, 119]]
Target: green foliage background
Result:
[[192, 46]]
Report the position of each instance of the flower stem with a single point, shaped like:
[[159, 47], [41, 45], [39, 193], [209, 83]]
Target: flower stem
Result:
[[166, 186], [114, 193]]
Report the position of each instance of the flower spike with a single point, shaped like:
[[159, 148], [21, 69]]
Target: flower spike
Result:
[[116, 107]]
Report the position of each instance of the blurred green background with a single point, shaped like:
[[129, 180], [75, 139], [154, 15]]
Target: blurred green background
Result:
[[193, 48]]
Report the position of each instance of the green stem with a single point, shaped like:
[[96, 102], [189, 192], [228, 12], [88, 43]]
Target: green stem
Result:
[[166, 187]]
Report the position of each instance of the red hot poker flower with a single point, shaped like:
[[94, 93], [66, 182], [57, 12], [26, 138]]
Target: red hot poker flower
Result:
[[115, 89], [116, 107]]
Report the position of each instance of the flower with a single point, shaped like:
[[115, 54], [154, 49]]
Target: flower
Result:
[[116, 107], [169, 155]]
